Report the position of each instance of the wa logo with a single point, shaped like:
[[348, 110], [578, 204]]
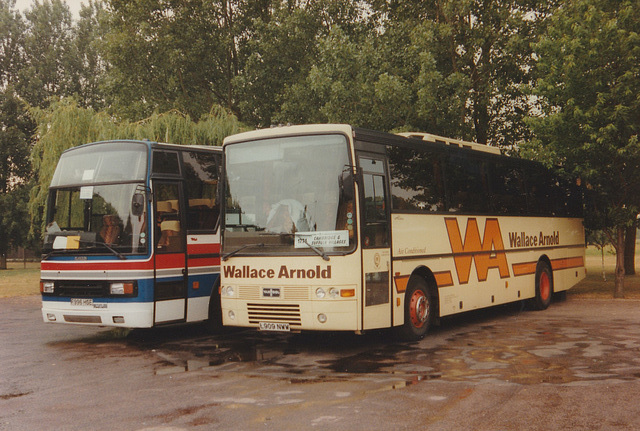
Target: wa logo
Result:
[[487, 253]]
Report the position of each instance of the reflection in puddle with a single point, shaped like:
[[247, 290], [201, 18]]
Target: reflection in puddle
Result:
[[513, 348], [547, 353]]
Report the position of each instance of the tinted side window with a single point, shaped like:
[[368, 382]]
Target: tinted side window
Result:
[[507, 188], [416, 180], [467, 187], [165, 162]]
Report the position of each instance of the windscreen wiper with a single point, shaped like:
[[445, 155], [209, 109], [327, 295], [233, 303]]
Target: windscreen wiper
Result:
[[228, 255], [107, 246], [320, 253]]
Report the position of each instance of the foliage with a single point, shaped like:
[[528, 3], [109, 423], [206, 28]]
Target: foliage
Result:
[[589, 90]]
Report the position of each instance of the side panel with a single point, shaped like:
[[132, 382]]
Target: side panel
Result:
[[203, 261], [482, 261]]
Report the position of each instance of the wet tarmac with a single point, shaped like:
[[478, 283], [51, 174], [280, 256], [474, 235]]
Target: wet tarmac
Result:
[[482, 346], [478, 358]]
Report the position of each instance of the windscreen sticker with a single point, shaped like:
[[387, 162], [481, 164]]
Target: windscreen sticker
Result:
[[86, 192], [66, 243], [337, 238]]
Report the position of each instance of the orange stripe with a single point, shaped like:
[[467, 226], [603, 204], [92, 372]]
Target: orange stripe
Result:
[[528, 268], [444, 278], [525, 268], [569, 262], [401, 282]]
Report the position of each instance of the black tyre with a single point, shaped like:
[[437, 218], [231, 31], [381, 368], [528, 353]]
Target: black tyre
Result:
[[418, 310], [544, 287]]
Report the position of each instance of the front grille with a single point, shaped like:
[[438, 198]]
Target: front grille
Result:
[[286, 313], [290, 293], [82, 289]]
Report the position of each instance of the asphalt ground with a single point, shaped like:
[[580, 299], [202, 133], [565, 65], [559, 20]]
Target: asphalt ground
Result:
[[574, 366]]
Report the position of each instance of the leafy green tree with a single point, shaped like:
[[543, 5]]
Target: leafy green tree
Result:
[[88, 40], [51, 63], [12, 29], [468, 62], [15, 130], [170, 54], [589, 90]]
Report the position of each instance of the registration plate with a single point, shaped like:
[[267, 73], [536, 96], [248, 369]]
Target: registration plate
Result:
[[271, 326], [82, 302]]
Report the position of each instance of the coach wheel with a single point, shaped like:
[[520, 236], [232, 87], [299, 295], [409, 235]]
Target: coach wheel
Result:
[[418, 310], [544, 286]]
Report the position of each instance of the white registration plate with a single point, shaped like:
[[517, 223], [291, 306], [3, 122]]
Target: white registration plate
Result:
[[271, 326], [82, 302]]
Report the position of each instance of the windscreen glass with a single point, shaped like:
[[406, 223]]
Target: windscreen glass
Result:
[[289, 195]]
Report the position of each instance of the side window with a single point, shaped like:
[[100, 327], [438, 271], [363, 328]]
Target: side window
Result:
[[169, 236], [416, 180], [165, 162], [374, 209], [467, 188], [507, 188], [201, 185]]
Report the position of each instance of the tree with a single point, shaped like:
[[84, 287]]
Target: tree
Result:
[[169, 54], [51, 63], [588, 84], [89, 39], [467, 62], [15, 130]]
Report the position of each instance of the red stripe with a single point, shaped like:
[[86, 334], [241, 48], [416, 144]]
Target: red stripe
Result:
[[88, 265], [203, 248]]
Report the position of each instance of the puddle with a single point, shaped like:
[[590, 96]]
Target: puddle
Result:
[[507, 352], [511, 348]]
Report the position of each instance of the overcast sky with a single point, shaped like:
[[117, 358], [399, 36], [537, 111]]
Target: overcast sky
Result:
[[74, 5]]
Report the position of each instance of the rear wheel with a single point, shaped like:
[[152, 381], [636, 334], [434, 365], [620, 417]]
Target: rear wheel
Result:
[[418, 310], [544, 286]]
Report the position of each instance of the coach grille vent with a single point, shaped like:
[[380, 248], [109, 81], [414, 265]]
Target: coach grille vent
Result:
[[288, 313]]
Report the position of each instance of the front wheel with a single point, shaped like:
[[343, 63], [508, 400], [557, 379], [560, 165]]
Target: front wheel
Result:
[[544, 286], [418, 310]]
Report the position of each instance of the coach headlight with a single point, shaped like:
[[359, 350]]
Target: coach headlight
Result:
[[47, 286], [228, 291], [121, 288], [320, 293]]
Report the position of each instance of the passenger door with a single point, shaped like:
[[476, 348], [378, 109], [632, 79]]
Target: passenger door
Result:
[[376, 243], [170, 292]]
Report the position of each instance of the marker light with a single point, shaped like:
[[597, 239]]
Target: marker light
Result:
[[347, 293], [232, 315], [320, 293]]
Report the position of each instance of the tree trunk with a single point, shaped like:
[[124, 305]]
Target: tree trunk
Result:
[[619, 286], [3, 261], [630, 250]]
